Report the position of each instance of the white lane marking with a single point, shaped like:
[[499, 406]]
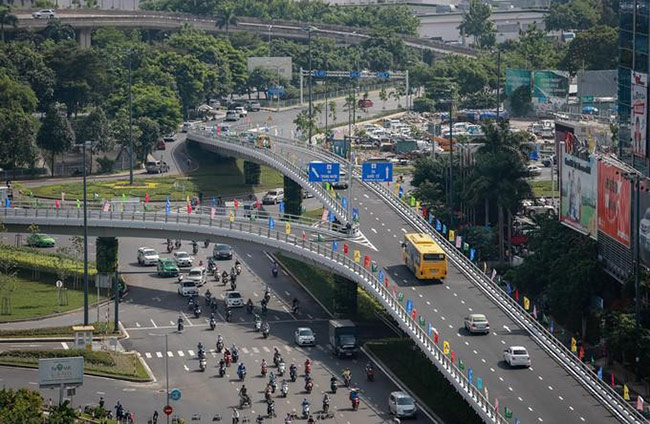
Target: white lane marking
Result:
[[153, 323], [388, 229], [256, 350], [243, 349], [377, 218], [159, 355], [520, 399], [266, 349], [571, 408], [170, 354], [373, 230], [403, 230], [540, 419], [287, 293], [540, 377], [65, 345], [137, 324], [435, 310], [172, 322], [148, 355], [455, 295], [550, 388], [560, 397], [507, 329], [419, 294], [501, 379], [309, 316], [470, 309], [442, 318], [287, 348], [180, 353], [462, 302], [466, 343], [249, 255], [503, 342], [530, 409], [483, 360], [428, 303], [582, 419], [492, 369], [365, 195], [190, 352], [186, 367], [510, 388], [475, 352]]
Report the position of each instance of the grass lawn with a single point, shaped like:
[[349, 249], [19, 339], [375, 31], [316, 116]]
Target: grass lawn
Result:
[[33, 299], [216, 176], [100, 328], [418, 373], [321, 284], [314, 213], [542, 188], [108, 364]]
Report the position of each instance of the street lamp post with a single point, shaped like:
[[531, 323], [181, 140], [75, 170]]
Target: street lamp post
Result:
[[269, 28], [129, 53], [85, 234], [499, 86], [310, 78]]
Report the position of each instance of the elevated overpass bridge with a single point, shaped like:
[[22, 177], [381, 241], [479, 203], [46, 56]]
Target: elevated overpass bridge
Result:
[[557, 388], [85, 21]]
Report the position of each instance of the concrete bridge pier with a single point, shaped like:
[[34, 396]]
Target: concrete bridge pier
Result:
[[85, 37]]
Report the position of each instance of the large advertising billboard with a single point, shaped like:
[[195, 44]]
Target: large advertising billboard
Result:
[[613, 203], [549, 89], [638, 103], [644, 225], [516, 78], [578, 186]]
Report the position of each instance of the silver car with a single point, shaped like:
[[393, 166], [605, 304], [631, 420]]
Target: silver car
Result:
[[477, 323]]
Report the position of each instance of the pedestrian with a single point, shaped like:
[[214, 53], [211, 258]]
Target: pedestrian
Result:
[[49, 404], [235, 416], [155, 417]]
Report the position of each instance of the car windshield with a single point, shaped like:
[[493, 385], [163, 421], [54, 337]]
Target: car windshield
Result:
[[182, 256], [195, 273], [150, 252], [168, 262], [272, 193], [479, 318], [519, 352], [404, 401], [305, 332], [188, 284], [233, 295], [223, 248]]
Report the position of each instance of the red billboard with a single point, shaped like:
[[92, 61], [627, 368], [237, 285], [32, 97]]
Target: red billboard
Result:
[[614, 196]]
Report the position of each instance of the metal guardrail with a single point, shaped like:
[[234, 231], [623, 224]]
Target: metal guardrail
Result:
[[607, 396], [270, 158], [253, 232]]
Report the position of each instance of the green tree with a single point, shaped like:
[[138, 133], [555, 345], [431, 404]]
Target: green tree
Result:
[[26, 64], [16, 96], [55, 135], [332, 111], [158, 103], [383, 96], [594, 49], [62, 414], [17, 139], [225, 16], [20, 406], [499, 175], [261, 79], [149, 135], [95, 127], [303, 122], [58, 31], [573, 15], [520, 101], [6, 18], [476, 22]]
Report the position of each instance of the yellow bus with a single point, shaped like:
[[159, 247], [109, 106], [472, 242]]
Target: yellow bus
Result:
[[424, 257]]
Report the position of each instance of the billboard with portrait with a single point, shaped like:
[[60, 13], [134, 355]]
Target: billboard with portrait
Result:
[[614, 195], [578, 186], [638, 109]]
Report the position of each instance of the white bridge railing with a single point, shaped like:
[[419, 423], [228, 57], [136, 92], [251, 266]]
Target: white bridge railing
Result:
[[288, 241]]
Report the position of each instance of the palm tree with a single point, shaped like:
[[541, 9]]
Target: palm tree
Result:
[[6, 18], [499, 175], [58, 31], [226, 16]]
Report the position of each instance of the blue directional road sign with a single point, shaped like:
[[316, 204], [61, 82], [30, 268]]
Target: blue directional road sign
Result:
[[320, 73], [385, 75], [377, 171], [324, 172], [355, 74], [175, 394]]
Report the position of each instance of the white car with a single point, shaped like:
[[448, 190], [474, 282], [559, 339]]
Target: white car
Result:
[[534, 170], [305, 337], [477, 323], [401, 405], [273, 197], [241, 111], [147, 256], [234, 300], [188, 288], [183, 259], [517, 356], [44, 13], [197, 275]]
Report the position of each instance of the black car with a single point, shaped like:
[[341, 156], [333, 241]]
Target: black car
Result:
[[222, 251]]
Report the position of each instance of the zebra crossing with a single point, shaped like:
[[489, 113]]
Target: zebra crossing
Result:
[[252, 350]]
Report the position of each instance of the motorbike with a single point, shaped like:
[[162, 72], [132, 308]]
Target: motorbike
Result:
[[346, 380], [274, 386], [333, 385], [309, 385], [270, 409], [180, 325], [228, 315], [208, 297], [293, 375], [177, 244], [276, 358], [307, 366], [219, 345], [213, 324], [197, 311], [244, 401], [238, 268], [281, 368], [227, 358], [195, 247], [266, 332], [224, 278], [284, 390], [370, 373], [305, 410], [206, 243], [201, 354], [264, 308], [233, 285], [203, 364], [326, 406], [249, 307], [274, 270], [267, 295], [170, 247], [264, 370], [258, 325], [235, 355], [241, 374], [222, 369], [355, 403]]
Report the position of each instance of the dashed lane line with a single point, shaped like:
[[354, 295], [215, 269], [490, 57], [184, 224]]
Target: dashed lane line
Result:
[[159, 355]]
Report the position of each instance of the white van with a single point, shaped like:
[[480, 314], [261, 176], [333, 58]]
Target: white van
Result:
[[154, 166]]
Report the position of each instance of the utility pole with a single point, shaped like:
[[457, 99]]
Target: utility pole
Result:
[[85, 238], [130, 54], [310, 78], [499, 83], [167, 371], [451, 163]]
